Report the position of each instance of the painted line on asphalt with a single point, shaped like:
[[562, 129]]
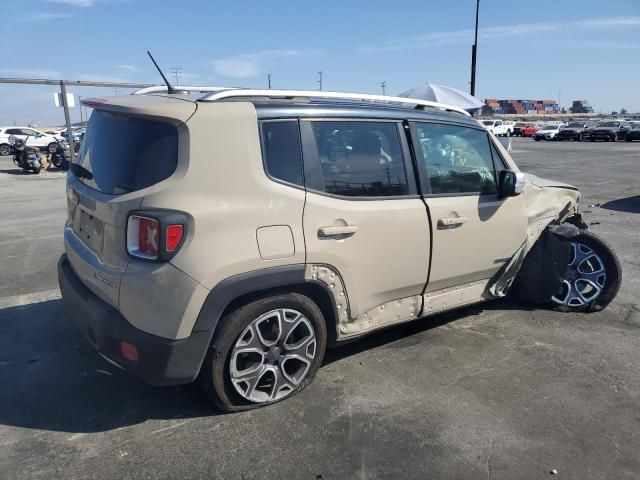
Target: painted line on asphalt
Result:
[[29, 298]]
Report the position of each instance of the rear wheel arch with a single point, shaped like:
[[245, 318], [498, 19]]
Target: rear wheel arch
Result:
[[313, 290], [242, 289]]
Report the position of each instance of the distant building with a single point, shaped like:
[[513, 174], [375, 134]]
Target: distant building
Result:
[[494, 106], [581, 106]]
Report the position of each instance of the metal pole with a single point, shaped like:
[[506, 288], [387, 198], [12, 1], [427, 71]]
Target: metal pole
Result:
[[269, 80], [320, 80], [80, 105], [474, 53], [67, 118], [384, 88]]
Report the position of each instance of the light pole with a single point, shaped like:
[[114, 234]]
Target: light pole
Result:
[[177, 71], [384, 87], [559, 95], [269, 80], [474, 53], [320, 80]]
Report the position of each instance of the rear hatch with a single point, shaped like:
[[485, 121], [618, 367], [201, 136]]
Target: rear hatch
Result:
[[132, 145]]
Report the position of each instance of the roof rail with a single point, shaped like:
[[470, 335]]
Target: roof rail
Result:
[[194, 89], [362, 97]]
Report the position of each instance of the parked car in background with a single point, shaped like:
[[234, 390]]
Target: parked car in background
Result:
[[574, 131], [528, 130], [547, 132], [498, 127], [610, 131], [75, 133], [33, 138], [633, 134], [517, 127]]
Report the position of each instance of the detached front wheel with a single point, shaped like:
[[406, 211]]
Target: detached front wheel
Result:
[[264, 352], [592, 277]]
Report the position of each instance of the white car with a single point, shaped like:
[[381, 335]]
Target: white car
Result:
[[499, 127], [548, 132], [34, 138]]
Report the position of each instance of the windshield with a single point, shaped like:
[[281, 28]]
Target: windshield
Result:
[[574, 125], [123, 153], [608, 124]]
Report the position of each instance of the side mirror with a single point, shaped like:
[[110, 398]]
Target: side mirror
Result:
[[510, 183]]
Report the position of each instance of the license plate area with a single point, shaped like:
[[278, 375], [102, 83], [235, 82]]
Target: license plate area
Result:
[[88, 229]]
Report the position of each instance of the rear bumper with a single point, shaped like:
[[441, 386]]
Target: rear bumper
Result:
[[160, 361]]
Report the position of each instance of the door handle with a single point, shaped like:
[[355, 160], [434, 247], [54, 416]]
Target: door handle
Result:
[[450, 221], [336, 231]]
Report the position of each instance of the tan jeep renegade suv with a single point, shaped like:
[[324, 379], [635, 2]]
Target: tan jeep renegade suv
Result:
[[231, 237]]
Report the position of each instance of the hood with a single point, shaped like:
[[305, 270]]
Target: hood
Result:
[[543, 182], [547, 130], [605, 129]]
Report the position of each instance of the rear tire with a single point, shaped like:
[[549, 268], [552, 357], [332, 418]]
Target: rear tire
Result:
[[52, 147], [591, 252], [268, 380]]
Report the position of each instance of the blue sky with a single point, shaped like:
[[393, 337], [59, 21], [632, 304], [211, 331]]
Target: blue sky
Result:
[[587, 49]]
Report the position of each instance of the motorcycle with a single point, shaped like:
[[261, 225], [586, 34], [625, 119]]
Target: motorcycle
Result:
[[26, 157], [58, 156]]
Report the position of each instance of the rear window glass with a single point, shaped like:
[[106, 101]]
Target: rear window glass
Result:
[[124, 153]]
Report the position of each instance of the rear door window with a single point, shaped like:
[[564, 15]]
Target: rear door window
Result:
[[355, 158], [124, 153]]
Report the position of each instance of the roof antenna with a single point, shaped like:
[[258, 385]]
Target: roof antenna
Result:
[[170, 89]]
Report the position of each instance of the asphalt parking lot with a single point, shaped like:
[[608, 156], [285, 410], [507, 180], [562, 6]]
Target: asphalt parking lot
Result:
[[494, 391]]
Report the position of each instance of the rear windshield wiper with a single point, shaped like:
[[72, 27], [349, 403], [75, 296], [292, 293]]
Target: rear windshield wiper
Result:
[[81, 172]]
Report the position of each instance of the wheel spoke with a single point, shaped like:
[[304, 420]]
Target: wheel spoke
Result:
[[248, 383], [295, 367], [250, 338], [282, 385], [291, 320], [269, 327], [582, 252]]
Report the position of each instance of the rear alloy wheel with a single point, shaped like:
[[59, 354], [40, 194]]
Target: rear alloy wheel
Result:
[[52, 147], [264, 352], [593, 276]]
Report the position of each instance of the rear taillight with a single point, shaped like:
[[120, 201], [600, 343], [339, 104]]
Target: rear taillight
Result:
[[156, 236], [173, 237], [143, 237]]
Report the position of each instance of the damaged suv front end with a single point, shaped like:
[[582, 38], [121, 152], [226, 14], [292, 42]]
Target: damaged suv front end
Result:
[[561, 260]]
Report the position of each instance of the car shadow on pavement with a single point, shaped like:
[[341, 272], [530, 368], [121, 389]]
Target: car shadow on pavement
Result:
[[628, 204], [14, 171], [52, 379]]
